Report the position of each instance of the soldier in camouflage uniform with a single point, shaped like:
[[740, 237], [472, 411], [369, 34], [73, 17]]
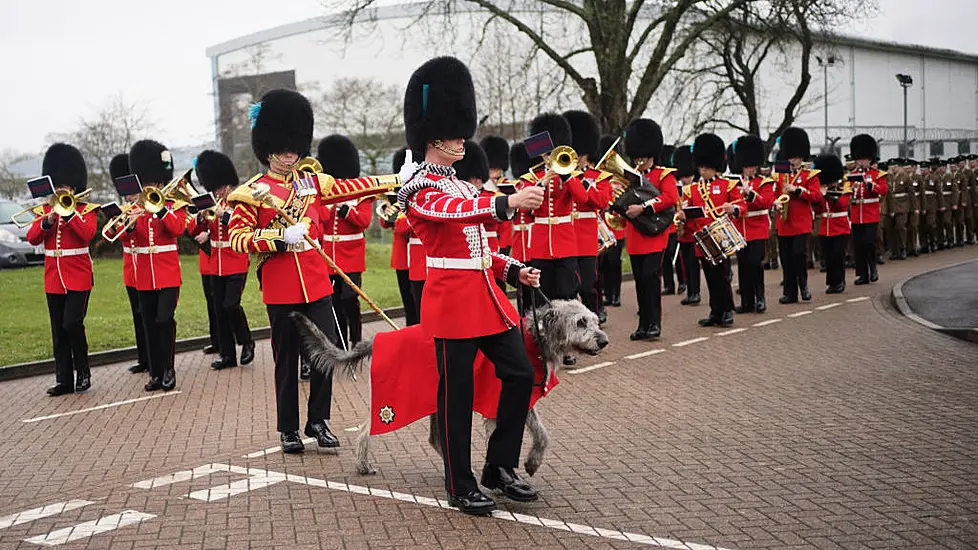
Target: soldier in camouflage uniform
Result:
[[897, 204], [913, 218], [930, 188], [971, 220], [955, 236], [945, 225]]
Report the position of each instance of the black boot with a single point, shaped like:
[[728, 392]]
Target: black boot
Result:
[[169, 379], [247, 353], [84, 383], [324, 437], [745, 309], [836, 289], [787, 300], [291, 443], [761, 305], [602, 316], [137, 368], [726, 320], [224, 363], [505, 480], [879, 259], [616, 301], [60, 389], [668, 290], [873, 274], [681, 289], [806, 293], [690, 300], [570, 360], [710, 321], [153, 384], [861, 281], [210, 349], [473, 503]]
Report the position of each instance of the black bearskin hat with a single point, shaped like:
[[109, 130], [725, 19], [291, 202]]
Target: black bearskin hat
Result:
[[119, 166], [794, 144], [863, 147], [749, 150], [604, 143], [709, 152], [399, 156], [732, 160], [585, 134], [151, 162], [281, 123], [830, 167], [682, 161], [66, 166], [643, 139], [439, 103], [557, 125], [497, 151], [666, 153], [339, 157], [474, 164], [215, 170], [519, 160]]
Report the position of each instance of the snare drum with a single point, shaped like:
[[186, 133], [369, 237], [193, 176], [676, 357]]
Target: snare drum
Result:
[[719, 240]]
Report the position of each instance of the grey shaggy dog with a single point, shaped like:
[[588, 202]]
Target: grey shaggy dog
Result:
[[562, 327]]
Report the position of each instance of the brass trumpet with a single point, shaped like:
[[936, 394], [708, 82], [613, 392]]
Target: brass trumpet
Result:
[[63, 203], [562, 160], [180, 190]]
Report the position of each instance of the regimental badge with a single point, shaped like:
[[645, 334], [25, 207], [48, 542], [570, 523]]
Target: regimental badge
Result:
[[386, 414]]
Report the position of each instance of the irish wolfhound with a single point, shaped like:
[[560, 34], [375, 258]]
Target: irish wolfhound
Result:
[[563, 327]]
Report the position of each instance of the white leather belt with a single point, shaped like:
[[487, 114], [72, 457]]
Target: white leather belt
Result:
[[461, 263], [895, 195], [414, 240], [834, 214], [948, 192], [928, 192], [301, 246], [127, 249], [584, 215], [343, 238], [555, 220], [865, 201], [220, 244], [155, 249], [753, 213], [65, 252], [492, 234], [518, 228]]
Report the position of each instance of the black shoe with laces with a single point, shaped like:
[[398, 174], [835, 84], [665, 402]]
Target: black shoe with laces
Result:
[[506, 481], [474, 503], [324, 437], [291, 443]]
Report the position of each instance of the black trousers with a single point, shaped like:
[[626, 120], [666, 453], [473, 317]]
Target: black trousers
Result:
[[750, 273], [232, 324], [158, 307], [407, 299], [670, 270], [558, 277], [207, 281], [609, 266], [346, 302], [691, 267], [864, 248], [834, 252], [647, 269], [455, 386], [793, 263], [587, 267], [286, 350], [718, 283], [142, 347], [67, 313], [417, 289]]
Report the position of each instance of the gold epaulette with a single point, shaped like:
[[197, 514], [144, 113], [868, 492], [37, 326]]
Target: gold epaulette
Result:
[[731, 184], [688, 190], [881, 174], [242, 193], [665, 171], [765, 181], [90, 206], [812, 173]]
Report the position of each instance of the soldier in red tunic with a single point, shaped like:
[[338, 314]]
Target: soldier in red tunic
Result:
[[682, 160], [754, 225], [497, 153], [609, 260], [717, 196], [401, 231], [67, 268], [291, 274], [865, 206], [343, 238], [833, 228], [802, 187], [447, 214], [229, 269], [523, 220]]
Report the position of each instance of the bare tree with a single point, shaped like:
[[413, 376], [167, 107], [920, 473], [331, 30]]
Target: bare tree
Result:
[[366, 111], [12, 185], [633, 44]]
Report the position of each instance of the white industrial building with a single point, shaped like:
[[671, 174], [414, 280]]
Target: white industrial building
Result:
[[863, 92]]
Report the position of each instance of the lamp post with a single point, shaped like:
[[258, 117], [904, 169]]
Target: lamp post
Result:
[[906, 81], [825, 64]]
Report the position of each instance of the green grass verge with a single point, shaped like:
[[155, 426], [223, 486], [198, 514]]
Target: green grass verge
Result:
[[25, 331]]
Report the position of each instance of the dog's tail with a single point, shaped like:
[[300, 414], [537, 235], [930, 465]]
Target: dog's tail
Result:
[[323, 355]]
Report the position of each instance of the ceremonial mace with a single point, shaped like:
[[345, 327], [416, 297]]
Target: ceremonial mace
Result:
[[261, 193]]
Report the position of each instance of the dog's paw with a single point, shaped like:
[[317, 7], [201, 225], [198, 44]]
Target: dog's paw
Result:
[[531, 466], [366, 470]]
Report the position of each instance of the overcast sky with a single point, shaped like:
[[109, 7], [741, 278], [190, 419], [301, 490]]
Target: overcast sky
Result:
[[62, 60]]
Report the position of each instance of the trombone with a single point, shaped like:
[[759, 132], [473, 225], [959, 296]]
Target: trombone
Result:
[[562, 160], [120, 223], [63, 203]]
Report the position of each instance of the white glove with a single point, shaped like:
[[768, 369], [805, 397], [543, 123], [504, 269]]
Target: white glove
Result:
[[202, 238], [408, 168], [295, 233]]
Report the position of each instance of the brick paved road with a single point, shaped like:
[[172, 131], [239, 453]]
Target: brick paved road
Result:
[[841, 427]]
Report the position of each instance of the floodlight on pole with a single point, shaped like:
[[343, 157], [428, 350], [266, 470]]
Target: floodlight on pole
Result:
[[825, 64], [906, 81]]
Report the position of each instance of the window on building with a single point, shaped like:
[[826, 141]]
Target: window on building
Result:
[[936, 148], [906, 152], [964, 147]]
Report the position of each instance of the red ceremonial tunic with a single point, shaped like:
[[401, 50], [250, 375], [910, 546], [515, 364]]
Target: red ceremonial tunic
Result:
[[129, 266], [553, 234], [343, 237], [710, 195], [399, 246], [598, 196], [492, 227], [67, 263], [636, 243], [460, 299], [203, 259], [683, 235], [156, 252], [222, 260], [755, 223], [291, 274], [833, 216], [865, 205], [800, 217]]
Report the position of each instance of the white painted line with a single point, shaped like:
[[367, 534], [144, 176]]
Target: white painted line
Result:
[[90, 528], [800, 314], [644, 354], [183, 475], [276, 449], [685, 343], [100, 407], [582, 370], [766, 323], [44, 511], [829, 306], [731, 331], [860, 299], [221, 492], [352, 429]]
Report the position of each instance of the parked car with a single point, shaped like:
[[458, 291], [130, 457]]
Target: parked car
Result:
[[15, 251]]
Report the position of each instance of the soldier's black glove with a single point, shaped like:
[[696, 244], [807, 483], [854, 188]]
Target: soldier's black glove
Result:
[[162, 213], [869, 187], [343, 210]]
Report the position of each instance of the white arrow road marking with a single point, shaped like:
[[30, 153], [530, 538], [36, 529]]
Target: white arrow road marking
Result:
[[90, 528], [42, 512], [183, 475]]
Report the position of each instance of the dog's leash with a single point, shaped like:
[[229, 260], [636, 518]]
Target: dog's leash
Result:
[[535, 331]]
